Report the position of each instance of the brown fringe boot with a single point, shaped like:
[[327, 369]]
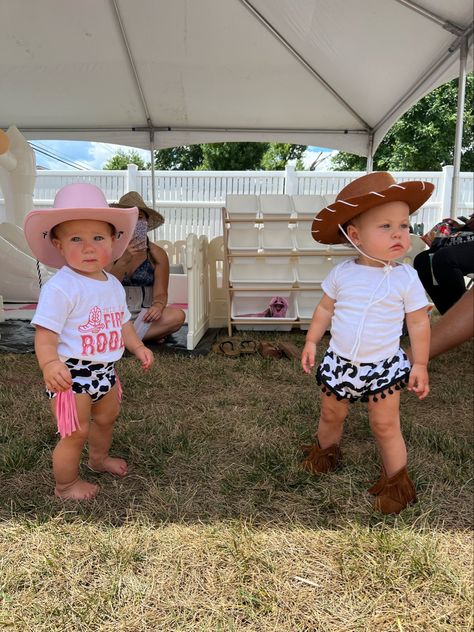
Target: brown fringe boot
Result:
[[397, 492], [319, 461], [378, 486]]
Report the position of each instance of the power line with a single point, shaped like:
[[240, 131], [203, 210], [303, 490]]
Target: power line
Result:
[[58, 159], [59, 154]]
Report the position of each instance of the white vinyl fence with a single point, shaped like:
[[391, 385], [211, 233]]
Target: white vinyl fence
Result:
[[191, 201]]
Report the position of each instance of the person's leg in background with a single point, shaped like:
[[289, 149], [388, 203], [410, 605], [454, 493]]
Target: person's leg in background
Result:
[[450, 265]]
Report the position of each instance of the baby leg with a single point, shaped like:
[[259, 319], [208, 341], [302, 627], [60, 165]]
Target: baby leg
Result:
[[104, 414], [67, 455], [324, 454], [384, 418], [331, 420], [394, 490]]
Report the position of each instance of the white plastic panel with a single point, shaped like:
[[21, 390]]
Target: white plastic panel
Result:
[[276, 205], [252, 272], [315, 269], [242, 206], [244, 237], [308, 205], [277, 236]]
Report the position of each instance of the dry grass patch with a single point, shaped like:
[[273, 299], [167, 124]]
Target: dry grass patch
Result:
[[215, 520]]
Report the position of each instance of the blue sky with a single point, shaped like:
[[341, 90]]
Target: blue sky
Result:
[[94, 155]]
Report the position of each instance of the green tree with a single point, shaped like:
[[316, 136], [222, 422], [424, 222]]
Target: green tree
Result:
[[232, 156], [121, 159], [423, 138], [278, 155], [184, 158], [229, 156]]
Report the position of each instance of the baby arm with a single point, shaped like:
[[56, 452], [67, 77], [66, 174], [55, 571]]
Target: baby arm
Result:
[[133, 343], [418, 325], [319, 324], [56, 375]]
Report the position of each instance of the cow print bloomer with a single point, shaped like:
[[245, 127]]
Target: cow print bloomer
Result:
[[94, 378], [365, 380]]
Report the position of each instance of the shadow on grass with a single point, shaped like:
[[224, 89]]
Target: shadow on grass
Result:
[[215, 439]]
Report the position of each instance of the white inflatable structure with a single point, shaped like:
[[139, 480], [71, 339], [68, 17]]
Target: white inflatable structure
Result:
[[18, 277]]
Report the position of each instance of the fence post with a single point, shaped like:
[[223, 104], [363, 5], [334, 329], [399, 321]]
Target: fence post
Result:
[[446, 187], [291, 184], [131, 179]]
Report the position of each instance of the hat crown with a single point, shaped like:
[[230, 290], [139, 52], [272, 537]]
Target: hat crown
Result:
[[80, 195], [132, 198], [373, 182]]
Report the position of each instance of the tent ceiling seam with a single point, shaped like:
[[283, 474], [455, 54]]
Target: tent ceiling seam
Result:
[[455, 29], [425, 77], [303, 61], [138, 129], [131, 62]]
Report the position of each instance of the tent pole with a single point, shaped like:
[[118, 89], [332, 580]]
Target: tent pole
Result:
[[370, 158], [459, 126], [152, 163]]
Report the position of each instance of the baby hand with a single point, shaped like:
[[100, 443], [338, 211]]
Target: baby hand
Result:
[[145, 356], [308, 356], [56, 376], [419, 381]]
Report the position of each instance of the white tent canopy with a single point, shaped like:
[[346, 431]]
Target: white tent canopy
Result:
[[331, 73]]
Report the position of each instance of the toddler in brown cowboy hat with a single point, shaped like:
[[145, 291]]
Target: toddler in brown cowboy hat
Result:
[[365, 300]]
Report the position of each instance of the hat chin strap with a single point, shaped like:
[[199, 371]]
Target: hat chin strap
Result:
[[386, 267], [386, 264]]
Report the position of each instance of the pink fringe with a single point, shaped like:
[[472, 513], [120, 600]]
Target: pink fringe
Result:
[[66, 413], [119, 386]]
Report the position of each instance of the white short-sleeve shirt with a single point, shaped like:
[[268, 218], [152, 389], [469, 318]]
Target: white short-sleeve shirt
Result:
[[353, 287], [88, 315]]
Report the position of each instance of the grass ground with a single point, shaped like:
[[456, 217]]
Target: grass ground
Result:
[[216, 528]]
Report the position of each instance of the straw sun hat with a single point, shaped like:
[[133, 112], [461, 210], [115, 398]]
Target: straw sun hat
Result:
[[362, 194], [132, 198], [77, 201]]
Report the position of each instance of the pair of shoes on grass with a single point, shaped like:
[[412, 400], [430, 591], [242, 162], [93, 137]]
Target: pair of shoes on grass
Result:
[[279, 350], [392, 494], [236, 347]]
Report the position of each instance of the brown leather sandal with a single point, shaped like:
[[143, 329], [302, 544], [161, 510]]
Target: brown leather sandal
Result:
[[290, 350], [269, 350], [319, 461], [396, 494]]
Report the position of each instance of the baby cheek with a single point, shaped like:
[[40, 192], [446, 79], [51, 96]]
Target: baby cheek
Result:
[[104, 254]]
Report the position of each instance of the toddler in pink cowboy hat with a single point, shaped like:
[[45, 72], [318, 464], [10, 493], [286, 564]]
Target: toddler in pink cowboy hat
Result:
[[365, 301], [82, 326]]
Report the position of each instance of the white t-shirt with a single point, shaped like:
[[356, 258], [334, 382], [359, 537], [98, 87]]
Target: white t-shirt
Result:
[[390, 294], [86, 313]]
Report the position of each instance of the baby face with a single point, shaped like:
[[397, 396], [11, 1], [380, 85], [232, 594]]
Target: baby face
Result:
[[383, 231], [86, 245]]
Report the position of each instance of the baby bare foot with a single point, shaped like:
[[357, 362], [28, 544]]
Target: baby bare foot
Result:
[[110, 464], [78, 490]]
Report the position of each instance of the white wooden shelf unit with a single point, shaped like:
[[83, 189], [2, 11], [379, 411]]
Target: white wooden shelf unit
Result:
[[269, 251]]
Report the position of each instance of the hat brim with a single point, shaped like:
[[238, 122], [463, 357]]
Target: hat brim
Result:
[[38, 225], [325, 226], [155, 219]]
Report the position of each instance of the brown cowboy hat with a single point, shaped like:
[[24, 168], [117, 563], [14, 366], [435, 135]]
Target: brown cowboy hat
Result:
[[362, 194], [132, 198]]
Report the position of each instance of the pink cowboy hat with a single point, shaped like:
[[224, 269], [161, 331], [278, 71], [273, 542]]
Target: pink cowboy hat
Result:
[[77, 201]]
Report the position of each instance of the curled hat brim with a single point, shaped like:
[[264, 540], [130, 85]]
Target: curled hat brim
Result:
[[325, 226], [154, 219], [39, 223]]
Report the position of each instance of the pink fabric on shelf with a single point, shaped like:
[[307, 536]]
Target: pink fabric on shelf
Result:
[[277, 308], [66, 413]]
